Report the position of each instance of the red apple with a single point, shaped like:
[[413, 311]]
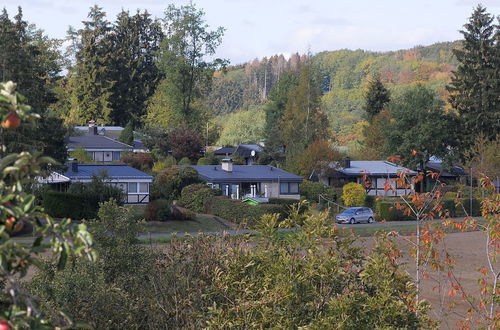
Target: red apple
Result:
[[12, 120]]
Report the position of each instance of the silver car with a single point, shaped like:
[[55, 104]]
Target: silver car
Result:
[[356, 214]]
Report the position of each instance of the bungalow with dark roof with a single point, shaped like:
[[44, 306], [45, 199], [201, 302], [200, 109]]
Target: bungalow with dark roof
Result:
[[374, 175], [100, 148], [134, 183], [249, 152], [240, 181]]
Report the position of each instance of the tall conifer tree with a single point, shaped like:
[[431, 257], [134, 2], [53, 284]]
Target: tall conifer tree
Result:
[[475, 88], [93, 79], [376, 97]]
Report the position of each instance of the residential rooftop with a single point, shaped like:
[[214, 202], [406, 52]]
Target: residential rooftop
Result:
[[96, 142], [371, 167], [113, 171], [245, 173]]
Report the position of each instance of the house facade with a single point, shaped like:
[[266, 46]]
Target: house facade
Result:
[[135, 184], [375, 175], [241, 181], [100, 148], [112, 132]]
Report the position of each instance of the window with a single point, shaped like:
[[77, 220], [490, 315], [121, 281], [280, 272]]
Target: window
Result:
[[143, 187], [132, 187], [116, 155], [290, 188]]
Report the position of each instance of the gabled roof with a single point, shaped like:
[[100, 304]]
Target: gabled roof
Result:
[[224, 151], [113, 171], [95, 142], [372, 167], [437, 166], [245, 173], [245, 150]]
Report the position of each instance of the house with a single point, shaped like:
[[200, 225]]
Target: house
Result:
[[100, 148], [112, 132], [134, 183], [374, 175], [249, 152], [240, 181], [446, 174]]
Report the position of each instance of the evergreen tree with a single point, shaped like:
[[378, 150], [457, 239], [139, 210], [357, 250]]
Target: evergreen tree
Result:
[[127, 135], [134, 42], [93, 79], [31, 59], [188, 74], [302, 121], [376, 98], [274, 110], [475, 87]]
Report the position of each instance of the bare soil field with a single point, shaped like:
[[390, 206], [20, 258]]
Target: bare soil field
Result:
[[468, 249]]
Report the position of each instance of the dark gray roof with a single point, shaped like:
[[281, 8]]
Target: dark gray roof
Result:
[[113, 171], [452, 171], [224, 151], [372, 167], [245, 150], [95, 142], [245, 173]]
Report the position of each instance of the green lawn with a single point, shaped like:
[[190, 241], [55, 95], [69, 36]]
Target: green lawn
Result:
[[202, 223]]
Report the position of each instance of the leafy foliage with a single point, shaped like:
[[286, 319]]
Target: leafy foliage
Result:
[[185, 142], [127, 135], [197, 197], [81, 155], [18, 208], [142, 160], [312, 190], [245, 126], [169, 183], [353, 194], [376, 97]]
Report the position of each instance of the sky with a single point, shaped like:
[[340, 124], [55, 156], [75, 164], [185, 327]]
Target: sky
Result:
[[258, 28]]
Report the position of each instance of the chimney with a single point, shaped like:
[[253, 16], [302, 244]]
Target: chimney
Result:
[[227, 165], [92, 128], [347, 162], [74, 166]]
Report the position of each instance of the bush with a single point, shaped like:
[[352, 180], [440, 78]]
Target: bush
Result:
[[60, 205], [158, 210], [204, 161], [353, 194], [196, 197], [242, 213], [169, 183], [185, 161], [369, 201], [386, 210], [311, 191], [164, 164], [142, 161]]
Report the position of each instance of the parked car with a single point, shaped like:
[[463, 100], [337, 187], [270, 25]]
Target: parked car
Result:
[[356, 214]]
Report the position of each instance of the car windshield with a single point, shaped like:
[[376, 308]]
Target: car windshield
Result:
[[350, 211]]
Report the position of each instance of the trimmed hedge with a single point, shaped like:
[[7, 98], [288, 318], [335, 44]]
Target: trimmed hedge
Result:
[[387, 211], [61, 205], [283, 201], [242, 213]]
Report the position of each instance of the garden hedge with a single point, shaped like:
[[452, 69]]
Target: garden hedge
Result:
[[242, 213], [386, 210], [61, 205]]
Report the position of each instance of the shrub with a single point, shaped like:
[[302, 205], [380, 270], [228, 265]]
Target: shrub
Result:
[[158, 210], [196, 197], [164, 164], [169, 183], [311, 191], [204, 161], [386, 210], [353, 194], [369, 201], [142, 161], [185, 161], [241, 213], [60, 204]]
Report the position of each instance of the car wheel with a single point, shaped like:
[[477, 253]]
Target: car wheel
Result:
[[370, 220], [352, 221]]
